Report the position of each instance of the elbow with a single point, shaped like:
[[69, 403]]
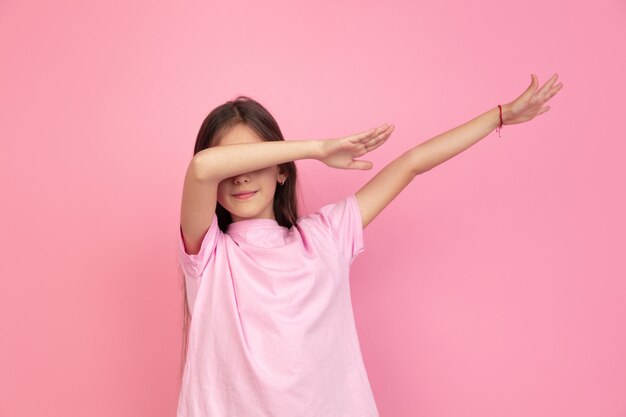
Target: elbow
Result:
[[421, 168], [417, 163], [201, 166], [418, 171]]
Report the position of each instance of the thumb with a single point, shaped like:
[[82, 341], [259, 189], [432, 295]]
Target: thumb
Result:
[[533, 82], [360, 165]]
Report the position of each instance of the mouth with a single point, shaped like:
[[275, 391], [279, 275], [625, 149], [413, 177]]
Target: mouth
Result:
[[244, 195]]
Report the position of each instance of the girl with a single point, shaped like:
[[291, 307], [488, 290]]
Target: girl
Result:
[[272, 331]]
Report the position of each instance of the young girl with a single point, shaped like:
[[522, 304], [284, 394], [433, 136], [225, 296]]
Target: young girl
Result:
[[272, 330]]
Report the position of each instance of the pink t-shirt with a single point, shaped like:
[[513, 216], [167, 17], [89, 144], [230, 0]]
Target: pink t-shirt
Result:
[[272, 331]]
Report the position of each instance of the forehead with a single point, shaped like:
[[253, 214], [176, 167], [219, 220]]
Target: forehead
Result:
[[240, 133]]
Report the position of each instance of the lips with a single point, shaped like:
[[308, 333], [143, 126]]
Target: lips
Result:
[[244, 195]]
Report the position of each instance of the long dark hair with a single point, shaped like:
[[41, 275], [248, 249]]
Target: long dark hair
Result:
[[244, 110]]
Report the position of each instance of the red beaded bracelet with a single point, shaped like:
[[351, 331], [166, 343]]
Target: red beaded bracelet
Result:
[[499, 128]]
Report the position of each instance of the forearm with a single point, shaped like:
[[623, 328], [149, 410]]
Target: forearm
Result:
[[220, 162], [448, 144]]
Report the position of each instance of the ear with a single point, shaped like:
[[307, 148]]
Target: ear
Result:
[[282, 175]]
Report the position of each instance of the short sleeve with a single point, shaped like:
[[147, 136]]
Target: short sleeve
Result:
[[343, 220], [194, 265]]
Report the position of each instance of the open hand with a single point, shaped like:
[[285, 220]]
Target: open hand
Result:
[[530, 104], [342, 152]]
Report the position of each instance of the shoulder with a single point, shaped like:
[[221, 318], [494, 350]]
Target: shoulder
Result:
[[194, 262], [337, 225], [331, 211]]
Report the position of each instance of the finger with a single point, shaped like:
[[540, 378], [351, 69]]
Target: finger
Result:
[[555, 89], [388, 129], [383, 127], [533, 83], [543, 110], [383, 134], [530, 91], [371, 147], [376, 142], [381, 130], [358, 164], [548, 85], [359, 137], [364, 137], [550, 94]]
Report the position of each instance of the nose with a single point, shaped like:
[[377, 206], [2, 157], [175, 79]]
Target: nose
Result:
[[241, 179]]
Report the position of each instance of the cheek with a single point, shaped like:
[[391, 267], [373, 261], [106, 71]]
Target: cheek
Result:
[[270, 174], [221, 191], [270, 181]]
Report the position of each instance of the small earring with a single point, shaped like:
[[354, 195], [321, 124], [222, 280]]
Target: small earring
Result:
[[283, 181]]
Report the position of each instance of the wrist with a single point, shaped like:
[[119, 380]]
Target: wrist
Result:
[[506, 114], [316, 149]]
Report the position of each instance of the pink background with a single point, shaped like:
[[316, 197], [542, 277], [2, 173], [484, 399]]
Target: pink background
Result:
[[495, 285]]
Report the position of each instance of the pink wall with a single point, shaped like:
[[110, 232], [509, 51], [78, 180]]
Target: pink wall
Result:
[[493, 286]]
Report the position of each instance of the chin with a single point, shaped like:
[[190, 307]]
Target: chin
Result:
[[244, 215]]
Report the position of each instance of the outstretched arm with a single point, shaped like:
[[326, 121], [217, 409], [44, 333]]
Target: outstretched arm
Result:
[[374, 196]]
